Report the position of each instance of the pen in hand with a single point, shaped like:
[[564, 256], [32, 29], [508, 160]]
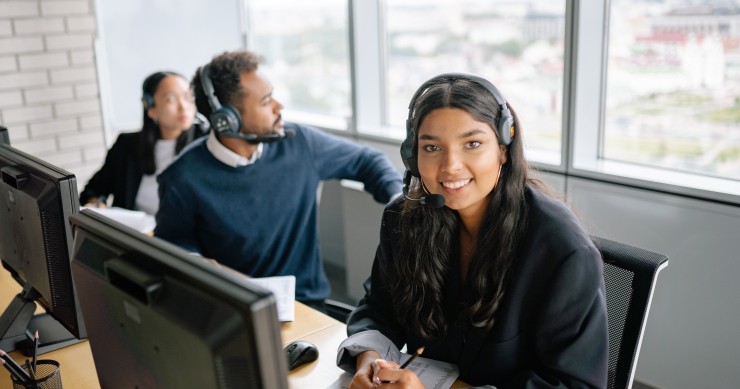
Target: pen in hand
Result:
[[35, 353], [377, 381], [408, 361]]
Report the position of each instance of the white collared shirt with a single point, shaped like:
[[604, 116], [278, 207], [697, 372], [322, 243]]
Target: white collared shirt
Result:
[[147, 198], [228, 157]]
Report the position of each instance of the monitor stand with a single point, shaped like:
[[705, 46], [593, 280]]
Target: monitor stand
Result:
[[18, 325]]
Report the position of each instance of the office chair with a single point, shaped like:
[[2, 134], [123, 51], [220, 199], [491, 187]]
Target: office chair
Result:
[[338, 310], [630, 274]]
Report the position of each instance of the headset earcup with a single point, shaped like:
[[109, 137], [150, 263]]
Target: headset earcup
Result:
[[408, 155], [226, 119], [147, 100], [505, 124]]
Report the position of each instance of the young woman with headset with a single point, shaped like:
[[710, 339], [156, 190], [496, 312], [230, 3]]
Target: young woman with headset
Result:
[[132, 164], [477, 263]]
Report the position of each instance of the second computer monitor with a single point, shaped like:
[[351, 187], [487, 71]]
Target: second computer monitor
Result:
[[159, 317]]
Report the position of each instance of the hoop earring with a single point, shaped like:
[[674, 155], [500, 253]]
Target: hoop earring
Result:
[[498, 179]]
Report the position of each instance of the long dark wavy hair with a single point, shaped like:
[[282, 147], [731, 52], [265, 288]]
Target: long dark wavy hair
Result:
[[150, 131], [427, 237]]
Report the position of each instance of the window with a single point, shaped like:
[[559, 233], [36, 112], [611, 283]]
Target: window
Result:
[[518, 45], [640, 92], [673, 86], [306, 51]]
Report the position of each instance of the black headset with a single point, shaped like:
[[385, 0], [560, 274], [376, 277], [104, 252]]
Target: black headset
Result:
[[147, 100], [224, 119], [505, 126]]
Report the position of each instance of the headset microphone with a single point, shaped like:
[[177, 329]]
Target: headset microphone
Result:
[[431, 200], [260, 138]]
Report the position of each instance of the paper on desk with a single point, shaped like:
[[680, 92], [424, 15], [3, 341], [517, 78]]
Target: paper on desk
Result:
[[433, 374], [138, 220], [283, 287]]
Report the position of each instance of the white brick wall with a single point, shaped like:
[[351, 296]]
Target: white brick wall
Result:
[[81, 23], [83, 57], [20, 80], [5, 28], [67, 158], [88, 122], [66, 7], [83, 139], [45, 95], [36, 146], [56, 126], [49, 94], [12, 9], [38, 26], [26, 114], [73, 75], [69, 41], [17, 133], [94, 153], [21, 45], [11, 99], [7, 64], [77, 107], [86, 90], [43, 61]]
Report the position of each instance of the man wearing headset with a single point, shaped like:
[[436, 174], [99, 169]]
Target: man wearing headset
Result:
[[246, 194]]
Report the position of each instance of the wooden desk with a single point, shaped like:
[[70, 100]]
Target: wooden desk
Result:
[[78, 368]]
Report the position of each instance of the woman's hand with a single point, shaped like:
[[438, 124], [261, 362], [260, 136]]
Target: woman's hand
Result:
[[96, 202], [373, 372], [390, 376], [363, 378]]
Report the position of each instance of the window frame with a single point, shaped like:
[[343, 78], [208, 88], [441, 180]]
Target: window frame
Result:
[[586, 112], [584, 88]]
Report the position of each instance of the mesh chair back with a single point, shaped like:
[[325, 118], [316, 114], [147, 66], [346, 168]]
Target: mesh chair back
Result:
[[630, 274]]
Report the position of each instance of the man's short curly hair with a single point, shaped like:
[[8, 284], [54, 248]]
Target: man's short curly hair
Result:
[[224, 71]]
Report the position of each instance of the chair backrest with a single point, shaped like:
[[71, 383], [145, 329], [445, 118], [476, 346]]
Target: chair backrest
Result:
[[630, 274], [338, 310]]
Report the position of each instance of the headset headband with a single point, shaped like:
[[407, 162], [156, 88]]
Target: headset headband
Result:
[[205, 81], [505, 125]]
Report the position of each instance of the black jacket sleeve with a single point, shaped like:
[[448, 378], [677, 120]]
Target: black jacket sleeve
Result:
[[120, 175]]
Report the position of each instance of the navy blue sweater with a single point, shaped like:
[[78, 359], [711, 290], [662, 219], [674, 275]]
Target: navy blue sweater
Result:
[[261, 219]]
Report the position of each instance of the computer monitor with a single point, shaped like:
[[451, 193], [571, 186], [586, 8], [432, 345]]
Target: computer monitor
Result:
[[160, 317], [36, 200]]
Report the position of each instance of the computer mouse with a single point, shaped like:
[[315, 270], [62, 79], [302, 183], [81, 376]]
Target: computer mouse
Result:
[[300, 352]]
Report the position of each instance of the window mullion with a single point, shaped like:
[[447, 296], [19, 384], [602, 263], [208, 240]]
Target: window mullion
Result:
[[587, 83], [367, 64]]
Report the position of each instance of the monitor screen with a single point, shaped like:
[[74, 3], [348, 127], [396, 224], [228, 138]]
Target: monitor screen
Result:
[[160, 317], [37, 199]]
